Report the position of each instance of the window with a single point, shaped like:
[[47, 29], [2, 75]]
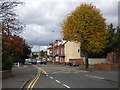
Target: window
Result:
[[78, 50]]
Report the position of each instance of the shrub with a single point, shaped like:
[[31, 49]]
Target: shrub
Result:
[[7, 62]]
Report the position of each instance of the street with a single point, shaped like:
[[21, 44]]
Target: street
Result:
[[59, 76]]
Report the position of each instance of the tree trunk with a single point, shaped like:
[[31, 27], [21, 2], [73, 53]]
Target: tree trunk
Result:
[[86, 63]]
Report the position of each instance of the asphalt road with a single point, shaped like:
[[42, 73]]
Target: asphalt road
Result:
[[60, 76]]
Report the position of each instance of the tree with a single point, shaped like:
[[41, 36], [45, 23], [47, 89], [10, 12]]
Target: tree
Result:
[[86, 26], [13, 45], [11, 26], [114, 38], [42, 53]]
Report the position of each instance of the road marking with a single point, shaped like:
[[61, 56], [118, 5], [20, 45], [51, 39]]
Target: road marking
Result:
[[43, 71], [31, 85], [57, 81], [80, 71], [95, 77], [25, 66], [66, 85], [35, 80], [24, 84], [51, 77]]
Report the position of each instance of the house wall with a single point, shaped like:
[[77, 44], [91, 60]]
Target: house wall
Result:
[[93, 61], [71, 51]]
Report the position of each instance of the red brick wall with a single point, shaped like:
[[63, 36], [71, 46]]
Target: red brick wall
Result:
[[61, 53], [80, 61], [114, 57], [106, 66]]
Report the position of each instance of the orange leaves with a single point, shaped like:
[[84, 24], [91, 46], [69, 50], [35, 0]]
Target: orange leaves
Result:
[[86, 24], [12, 44]]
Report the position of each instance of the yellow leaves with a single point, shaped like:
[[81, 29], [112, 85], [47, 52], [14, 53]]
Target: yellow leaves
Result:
[[86, 24]]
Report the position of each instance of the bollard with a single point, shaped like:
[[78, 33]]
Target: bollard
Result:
[[18, 64]]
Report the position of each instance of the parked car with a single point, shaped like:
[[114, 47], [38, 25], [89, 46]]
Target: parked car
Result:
[[73, 63], [34, 62], [43, 61], [38, 61], [30, 60]]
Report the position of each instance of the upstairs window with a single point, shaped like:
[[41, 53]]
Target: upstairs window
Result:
[[78, 50]]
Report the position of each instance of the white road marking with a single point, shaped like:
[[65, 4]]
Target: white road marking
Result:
[[57, 81], [25, 66], [51, 77], [95, 77], [66, 85]]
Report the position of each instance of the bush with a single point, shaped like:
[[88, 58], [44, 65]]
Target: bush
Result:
[[21, 60], [7, 62]]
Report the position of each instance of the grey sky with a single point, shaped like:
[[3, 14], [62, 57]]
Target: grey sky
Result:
[[43, 18]]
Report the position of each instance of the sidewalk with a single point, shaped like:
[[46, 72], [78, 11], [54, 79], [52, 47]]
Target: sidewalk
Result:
[[107, 75], [19, 76]]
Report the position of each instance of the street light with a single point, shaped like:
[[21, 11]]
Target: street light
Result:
[[53, 49], [39, 51]]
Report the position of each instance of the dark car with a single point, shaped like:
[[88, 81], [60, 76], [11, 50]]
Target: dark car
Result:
[[73, 63], [44, 61]]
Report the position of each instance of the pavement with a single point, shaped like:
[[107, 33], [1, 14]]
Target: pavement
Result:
[[106, 75], [19, 76], [65, 76]]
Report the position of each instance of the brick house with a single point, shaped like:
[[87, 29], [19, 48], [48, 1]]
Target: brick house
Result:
[[62, 51], [55, 51]]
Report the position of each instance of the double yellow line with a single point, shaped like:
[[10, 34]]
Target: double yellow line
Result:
[[31, 85]]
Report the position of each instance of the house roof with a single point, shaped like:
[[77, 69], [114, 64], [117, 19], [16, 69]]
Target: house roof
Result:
[[57, 43]]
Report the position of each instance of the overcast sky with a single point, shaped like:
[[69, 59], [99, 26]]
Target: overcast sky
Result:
[[44, 17]]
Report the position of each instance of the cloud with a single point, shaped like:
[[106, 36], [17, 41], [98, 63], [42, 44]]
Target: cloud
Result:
[[44, 17], [39, 48]]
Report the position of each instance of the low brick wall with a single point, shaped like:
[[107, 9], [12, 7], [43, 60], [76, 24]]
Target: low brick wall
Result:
[[106, 66], [80, 61], [93, 61], [6, 74]]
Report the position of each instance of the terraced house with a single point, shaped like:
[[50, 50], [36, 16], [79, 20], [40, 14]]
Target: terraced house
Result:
[[62, 51]]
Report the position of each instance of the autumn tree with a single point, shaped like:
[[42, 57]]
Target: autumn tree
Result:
[[20, 49], [86, 26], [12, 44]]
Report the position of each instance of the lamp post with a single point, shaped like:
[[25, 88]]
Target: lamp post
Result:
[[31, 51], [53, 49], [39, 51]]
